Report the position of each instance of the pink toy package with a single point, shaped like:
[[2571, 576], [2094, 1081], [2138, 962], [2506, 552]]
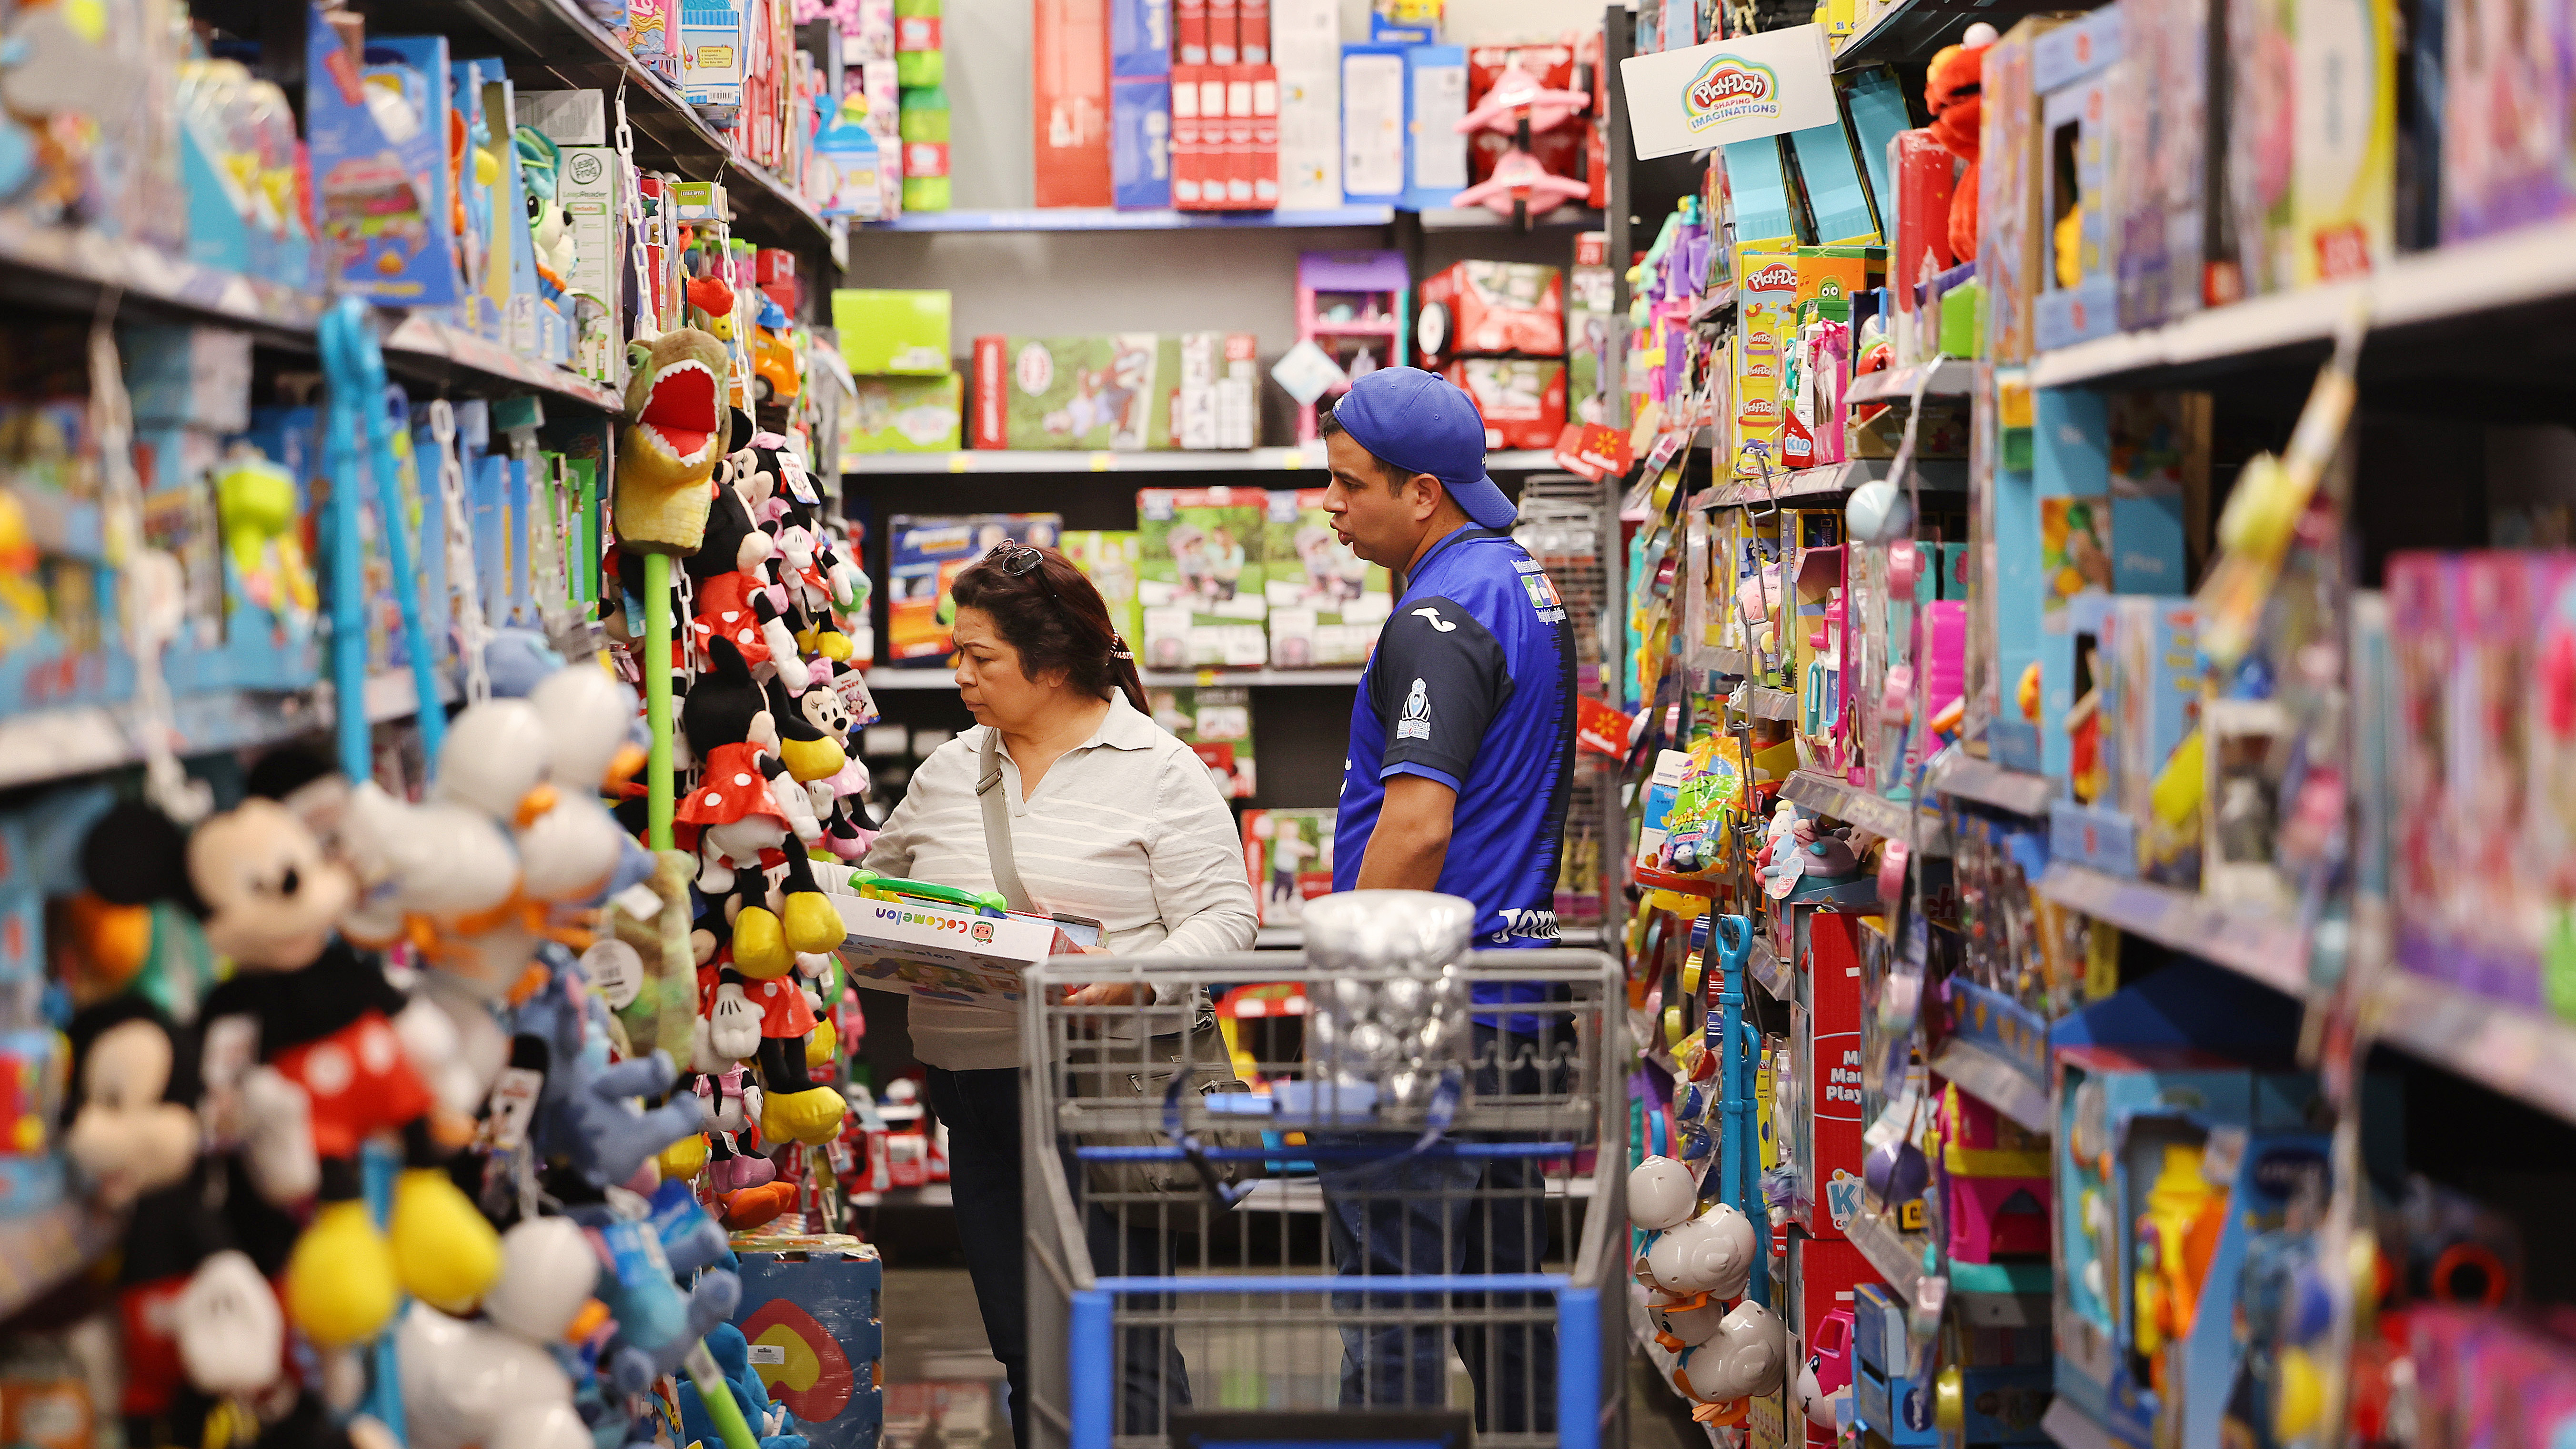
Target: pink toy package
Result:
[[2498, 952], [2419, 589]]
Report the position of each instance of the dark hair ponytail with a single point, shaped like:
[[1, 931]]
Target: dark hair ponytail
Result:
[[1056, 619]]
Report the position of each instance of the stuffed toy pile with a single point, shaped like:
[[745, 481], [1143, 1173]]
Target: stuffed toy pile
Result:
[[473, 1082]]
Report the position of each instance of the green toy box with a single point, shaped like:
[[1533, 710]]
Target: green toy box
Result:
[[1201, 578], [1326, 603], [1109, 559], [1108, 393], [893, 331], [907, 415], [1217, 725]]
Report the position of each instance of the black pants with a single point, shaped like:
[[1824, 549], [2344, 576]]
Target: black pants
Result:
[[982, 1112]]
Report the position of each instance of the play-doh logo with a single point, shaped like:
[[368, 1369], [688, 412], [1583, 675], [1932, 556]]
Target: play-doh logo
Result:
[[1777, 277], [1731, 88]]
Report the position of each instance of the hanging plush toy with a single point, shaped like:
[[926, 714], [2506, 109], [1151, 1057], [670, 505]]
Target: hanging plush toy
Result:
[[1952, 87], [838, 704], [323, 1016], [494, 1381], [675, 398], [734, 589], [752, 1007], [745, 800]]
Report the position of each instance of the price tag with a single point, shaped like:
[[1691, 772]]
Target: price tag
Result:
[[615, 970], [639, 901], [799, 486], [957, 462], [1103, 462], [514, 1104]]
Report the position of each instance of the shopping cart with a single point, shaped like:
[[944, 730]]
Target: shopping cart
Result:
[[1298, 1262]]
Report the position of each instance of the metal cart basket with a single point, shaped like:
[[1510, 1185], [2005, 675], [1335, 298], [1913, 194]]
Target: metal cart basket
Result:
[[1422, 1255]]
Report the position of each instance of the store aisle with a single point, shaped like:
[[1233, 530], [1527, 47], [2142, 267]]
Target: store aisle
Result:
[[943, 1389]]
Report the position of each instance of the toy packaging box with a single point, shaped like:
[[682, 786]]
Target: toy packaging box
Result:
[[1522, 399], [942, 953], [1216, 723], [1289, 855], [2072, 69], [1072, 393], [375, 180], [924, 556], [2343, 166], [1202, 580], [893, 331], [809, 1314], [1218, 404], [907, 415], [1498, 307], [1589, 328], [2506, 87], [1110, 560], [1826, 1037], [1071, 92], [1326, 603]]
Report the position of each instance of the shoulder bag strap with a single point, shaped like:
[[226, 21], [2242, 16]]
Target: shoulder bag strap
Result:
[[989, 792]]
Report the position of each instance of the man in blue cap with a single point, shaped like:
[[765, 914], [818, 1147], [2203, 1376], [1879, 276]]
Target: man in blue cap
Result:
[[1460, 768]]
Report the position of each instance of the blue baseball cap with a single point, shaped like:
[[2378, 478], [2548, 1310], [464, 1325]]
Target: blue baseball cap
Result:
[[1422, 422]]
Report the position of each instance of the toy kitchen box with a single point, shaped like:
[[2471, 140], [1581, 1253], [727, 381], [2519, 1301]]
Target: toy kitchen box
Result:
[[921, 948]]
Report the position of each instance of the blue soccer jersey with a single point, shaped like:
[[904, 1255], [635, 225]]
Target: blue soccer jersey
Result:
[[1472, 685]]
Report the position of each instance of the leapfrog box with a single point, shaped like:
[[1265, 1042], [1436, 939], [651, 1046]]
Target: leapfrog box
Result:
[[1109, 559], [1202, 577], [1111, 393], [924, 555], [908, 415], [1326, 603], [1217, 726]]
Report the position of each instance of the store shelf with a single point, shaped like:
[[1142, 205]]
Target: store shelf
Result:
[[419, 346], [1966, 777], [1763, 702], [555, 45], [910, 679], [1717, 300], [1949, 379], [1734, 663], [2520, 1051], [1306, 459], [1996, 1082], [1897, 1261], [2452, 283], [1834, 479], [1842, 800], [1911, 30], [1477, 218], [57, 744], [2254, 944], [1776, 975], [75, 266], [1102, 218]]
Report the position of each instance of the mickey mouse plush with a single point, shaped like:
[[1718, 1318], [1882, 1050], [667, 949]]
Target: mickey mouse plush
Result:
[[306, 1004]]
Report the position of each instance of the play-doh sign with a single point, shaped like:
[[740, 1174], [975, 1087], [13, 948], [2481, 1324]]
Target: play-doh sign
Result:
[[1731, 88]]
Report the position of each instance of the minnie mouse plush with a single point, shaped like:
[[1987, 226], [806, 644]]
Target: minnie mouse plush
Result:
[[746, 800]]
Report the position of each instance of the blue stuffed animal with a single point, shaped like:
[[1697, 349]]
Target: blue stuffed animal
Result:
[[770, 1423], [657, 1321], [582, 1114]]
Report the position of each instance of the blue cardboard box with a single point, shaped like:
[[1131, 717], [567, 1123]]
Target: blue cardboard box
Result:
[[374, 193], [809, 1310], [1140, 143]]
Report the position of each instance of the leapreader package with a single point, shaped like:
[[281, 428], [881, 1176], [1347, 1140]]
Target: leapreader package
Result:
[[1326, 603], [1201, 583]]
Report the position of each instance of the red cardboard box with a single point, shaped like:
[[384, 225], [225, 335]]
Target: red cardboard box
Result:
[[1522, 399], [1255, 26], [1824, 1275], [1265, 137], [1189, 33], [1501, 307], [1238, 134], [1072, 102], [1925, 176], [1825, 1043], [1225, 33], [1189, 141]]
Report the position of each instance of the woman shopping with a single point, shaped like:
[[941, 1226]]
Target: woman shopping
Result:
[[1109, 817]]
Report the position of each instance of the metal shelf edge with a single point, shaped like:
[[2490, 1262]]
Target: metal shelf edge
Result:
[[2260, 949], [1997, 1083]]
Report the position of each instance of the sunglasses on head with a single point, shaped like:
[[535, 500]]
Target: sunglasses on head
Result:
[[1019, 560]]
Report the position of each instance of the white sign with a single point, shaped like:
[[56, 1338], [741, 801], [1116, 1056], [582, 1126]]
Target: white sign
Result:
[[1729, 90]]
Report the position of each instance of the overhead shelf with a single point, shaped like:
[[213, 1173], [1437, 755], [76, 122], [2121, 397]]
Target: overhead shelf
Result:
[[1996, 1082], [556, 45], [1842, 800], [418, 346], [2449, 284], [1888, 1251], [2521, 1051], [1911, 30], [1309, 458], [2256, 944], [1776, 975], [1477, 218], [1102, 218], [1718, 299], [1763, 702], [909, 679], [1966, 777], [1949, 379], [1938, 475], [57, 744]]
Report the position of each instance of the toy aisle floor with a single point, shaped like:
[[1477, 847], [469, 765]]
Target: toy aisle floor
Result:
[[944, 1389]]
